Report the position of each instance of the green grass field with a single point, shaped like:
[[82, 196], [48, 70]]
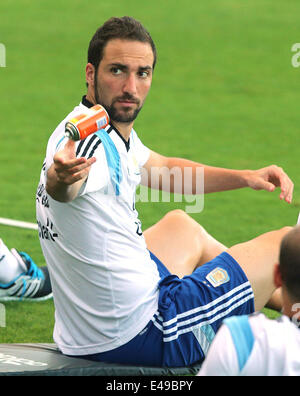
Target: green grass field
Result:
[[224, 93]]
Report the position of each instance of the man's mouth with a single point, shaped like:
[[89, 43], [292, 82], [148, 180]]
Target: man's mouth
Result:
[[127, 101]]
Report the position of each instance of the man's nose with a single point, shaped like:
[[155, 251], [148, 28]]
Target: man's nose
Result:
[[130, 84]]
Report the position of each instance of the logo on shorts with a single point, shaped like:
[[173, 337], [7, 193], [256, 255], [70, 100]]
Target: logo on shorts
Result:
[[218, 277]]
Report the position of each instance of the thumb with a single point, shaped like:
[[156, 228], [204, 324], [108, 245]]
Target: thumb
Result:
[[268, 186], [69, 149]]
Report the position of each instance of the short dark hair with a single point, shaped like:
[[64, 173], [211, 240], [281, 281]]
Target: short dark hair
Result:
[[126, 28], [289, 262]]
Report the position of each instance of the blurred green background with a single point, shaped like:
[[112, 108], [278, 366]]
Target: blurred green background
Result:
[[224, 93]]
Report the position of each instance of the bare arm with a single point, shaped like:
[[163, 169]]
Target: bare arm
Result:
[[67, 174], [219, 179]]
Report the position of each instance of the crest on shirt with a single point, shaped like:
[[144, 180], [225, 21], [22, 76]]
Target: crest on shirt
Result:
[[218, 277], [134, 168]]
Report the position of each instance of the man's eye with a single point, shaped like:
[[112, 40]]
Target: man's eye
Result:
[[116, 70], [143, 74]]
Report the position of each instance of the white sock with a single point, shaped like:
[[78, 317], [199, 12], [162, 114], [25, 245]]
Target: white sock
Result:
[[10, 267], [298, 222]]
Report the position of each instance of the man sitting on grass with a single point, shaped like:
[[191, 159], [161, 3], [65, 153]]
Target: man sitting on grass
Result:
[[121, 295]]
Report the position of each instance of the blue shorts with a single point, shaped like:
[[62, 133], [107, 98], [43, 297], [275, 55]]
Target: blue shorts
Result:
[[190, 311]]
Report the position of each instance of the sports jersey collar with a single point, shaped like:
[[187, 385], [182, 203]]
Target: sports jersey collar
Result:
[[86, 102], [89, 104]]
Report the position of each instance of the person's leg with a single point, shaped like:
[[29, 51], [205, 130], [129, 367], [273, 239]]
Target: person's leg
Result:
[[10, 267], [20, 278], [257, 258], [181, 243]]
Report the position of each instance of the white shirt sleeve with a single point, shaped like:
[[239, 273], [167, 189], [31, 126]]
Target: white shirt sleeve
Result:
[[221, 359], [98, 177]]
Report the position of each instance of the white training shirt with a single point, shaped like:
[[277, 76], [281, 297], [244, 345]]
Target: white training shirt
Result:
[[104, 282], [254, 346]]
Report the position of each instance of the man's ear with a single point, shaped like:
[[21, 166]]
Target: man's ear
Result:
[[277, 276], [90, 74]]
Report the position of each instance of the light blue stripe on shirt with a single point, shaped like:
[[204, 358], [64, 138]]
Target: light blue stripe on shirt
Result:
[[242, 337], [113, 159]]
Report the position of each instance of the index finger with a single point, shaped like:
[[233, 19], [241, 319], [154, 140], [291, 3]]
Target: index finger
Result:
[[68, 163], [287, 189]]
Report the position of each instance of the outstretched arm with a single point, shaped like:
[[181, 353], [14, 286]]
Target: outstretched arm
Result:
[[67, 173], [219, 179]]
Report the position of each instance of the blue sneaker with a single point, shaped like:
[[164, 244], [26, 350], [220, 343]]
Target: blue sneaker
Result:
[[32, 285]]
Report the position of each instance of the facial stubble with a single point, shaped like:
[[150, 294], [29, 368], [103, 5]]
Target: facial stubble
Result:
[[128, 116]]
